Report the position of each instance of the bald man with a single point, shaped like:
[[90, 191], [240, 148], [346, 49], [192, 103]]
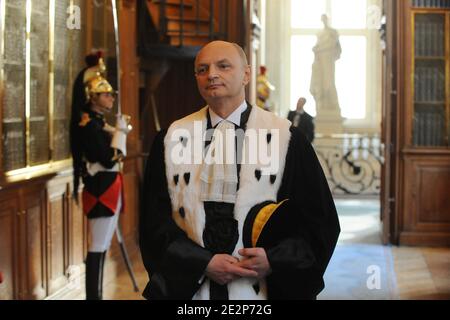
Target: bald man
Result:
[[204, 178]]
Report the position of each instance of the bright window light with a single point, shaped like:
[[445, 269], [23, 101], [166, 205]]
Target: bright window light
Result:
[[350, 74], [307, 13], [349, 14], [349, 17], [351, 77], [301, 62]]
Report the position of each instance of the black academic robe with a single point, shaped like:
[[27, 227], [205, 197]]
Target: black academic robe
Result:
[[176, 264], [306, 124]]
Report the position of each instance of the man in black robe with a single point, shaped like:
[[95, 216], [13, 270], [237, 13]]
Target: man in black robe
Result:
[[302, 120], [191, 239]]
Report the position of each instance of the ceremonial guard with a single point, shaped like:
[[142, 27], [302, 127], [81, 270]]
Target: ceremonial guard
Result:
[[97, 150]]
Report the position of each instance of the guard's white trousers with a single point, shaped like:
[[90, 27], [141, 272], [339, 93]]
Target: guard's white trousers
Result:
[[102, 230]]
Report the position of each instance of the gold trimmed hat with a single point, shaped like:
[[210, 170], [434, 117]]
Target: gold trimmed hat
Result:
[[98, 69], [268, 223], [96, 85], [94, 79]]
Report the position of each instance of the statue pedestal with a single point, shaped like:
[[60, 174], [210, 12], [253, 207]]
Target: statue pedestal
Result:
[[329, 122]]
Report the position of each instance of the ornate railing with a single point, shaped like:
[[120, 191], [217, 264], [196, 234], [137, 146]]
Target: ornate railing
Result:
[[351, 162]]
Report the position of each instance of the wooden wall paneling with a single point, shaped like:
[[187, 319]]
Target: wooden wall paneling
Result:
[[130, 105], [130, 71], [78, 233], [421, 178], [33, 219], [57, 246], [434, 207], [237, 28], [426, 217], [187, 98], [76, 237], [89, 25], [389, 112], [9, 245], [129, 220], [400, 114], [408, 75], [21, 239]]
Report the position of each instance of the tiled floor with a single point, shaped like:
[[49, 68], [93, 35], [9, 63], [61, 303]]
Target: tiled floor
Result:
[[122, 288], [361, 267], [422, 273], [404, 272]]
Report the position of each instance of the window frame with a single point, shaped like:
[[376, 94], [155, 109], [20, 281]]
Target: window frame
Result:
[[372, 120]]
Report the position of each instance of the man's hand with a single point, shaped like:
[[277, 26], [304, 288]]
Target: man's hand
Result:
[[224, 268], [255, 259]]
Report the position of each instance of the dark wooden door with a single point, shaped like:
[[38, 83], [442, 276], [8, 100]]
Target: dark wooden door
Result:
[[388, 126]]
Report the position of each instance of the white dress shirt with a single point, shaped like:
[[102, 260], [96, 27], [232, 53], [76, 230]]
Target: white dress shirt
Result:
[[235, 117]]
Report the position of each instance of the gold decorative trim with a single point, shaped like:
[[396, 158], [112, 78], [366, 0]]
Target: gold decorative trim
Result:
[[36, 171], [2, 76], [262, 218], [413, 72], [28, 82], [51, 78]]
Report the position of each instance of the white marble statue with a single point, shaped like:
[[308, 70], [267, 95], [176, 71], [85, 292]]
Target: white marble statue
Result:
[[326, 51]]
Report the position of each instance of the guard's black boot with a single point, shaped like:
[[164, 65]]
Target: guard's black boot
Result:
[[94, 275]]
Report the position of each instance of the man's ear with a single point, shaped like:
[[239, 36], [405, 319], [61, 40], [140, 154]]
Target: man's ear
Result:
[[94, 98], [247, 74]]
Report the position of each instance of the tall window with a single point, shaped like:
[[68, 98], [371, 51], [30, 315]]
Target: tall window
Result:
[[356, 70]]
